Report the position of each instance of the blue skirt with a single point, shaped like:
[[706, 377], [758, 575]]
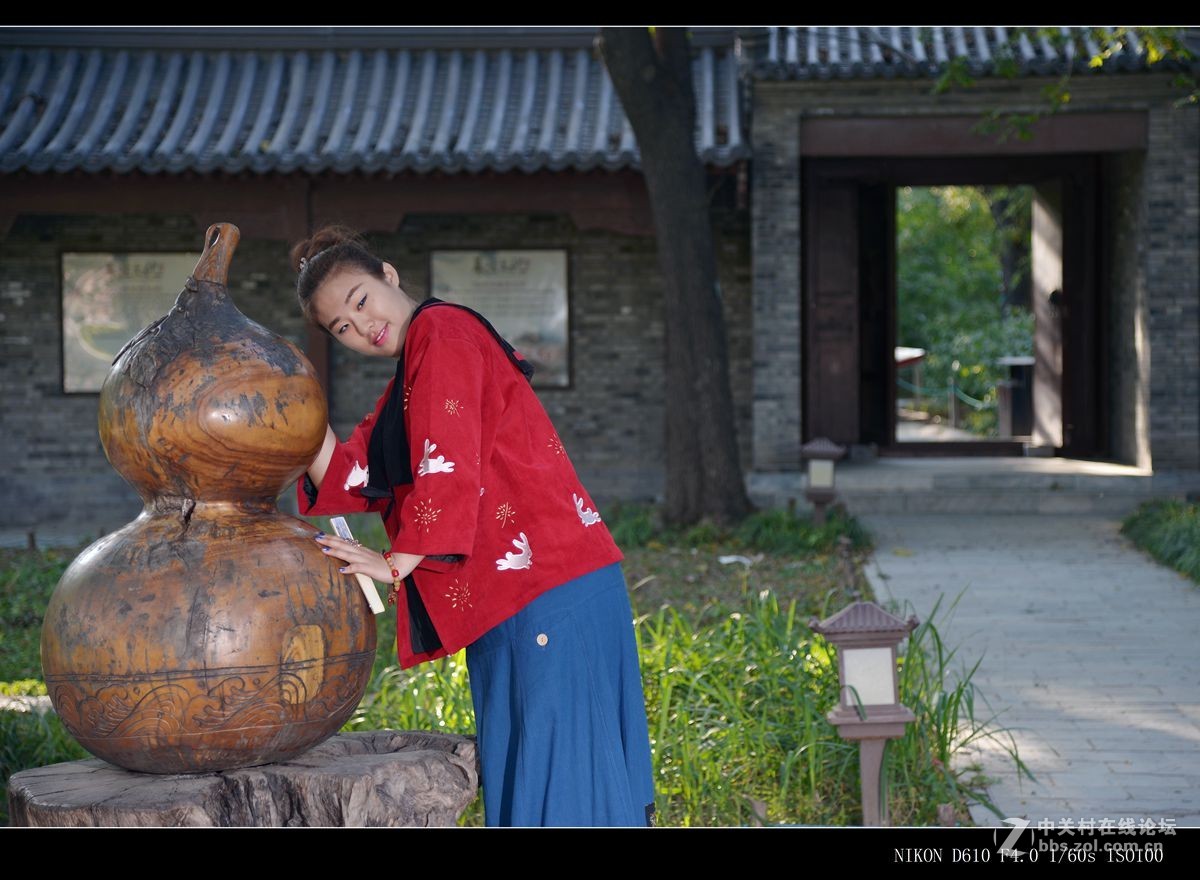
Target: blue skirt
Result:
[[560, 716]]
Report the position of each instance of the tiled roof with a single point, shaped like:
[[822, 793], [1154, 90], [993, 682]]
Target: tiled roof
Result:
[[863, 617], [336, 99], [863, 52]]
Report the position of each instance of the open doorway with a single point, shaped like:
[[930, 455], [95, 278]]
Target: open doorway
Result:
[[965, 323], [1035, 372]]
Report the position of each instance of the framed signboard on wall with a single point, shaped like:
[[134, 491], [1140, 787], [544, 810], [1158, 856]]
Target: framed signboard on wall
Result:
[[523, 293], [107, 299]]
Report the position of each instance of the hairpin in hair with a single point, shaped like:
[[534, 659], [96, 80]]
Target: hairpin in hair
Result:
[[304, 261]]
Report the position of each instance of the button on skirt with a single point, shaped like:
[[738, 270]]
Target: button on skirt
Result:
[[560, 715]]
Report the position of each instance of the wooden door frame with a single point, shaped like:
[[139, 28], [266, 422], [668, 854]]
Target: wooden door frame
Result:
[[1083, 373]]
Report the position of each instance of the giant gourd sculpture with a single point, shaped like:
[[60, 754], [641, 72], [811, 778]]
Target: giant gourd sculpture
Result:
[[211, 632]]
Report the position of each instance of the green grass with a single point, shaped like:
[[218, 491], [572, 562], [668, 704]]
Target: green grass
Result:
[[1169, 530], [635, 525], [32, 739], [737, 686], [26, 581], [28, 739]]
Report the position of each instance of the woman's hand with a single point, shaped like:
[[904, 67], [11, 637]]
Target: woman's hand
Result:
[[364, 560]]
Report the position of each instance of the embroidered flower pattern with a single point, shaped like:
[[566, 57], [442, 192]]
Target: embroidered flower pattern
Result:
[[504, 513], [427, 514], [459, 596], [452, 407], [556, 445], [407, 395]]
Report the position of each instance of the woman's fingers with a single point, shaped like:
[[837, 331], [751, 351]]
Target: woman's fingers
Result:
[[358, 559], [343, 549], [374, 567]]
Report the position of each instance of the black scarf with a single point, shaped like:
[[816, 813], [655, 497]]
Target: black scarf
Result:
[[389, 464]]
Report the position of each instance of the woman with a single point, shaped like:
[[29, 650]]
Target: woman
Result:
[[495, 545]]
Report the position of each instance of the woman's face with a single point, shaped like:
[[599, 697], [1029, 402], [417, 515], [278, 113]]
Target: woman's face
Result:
[[363, 312]]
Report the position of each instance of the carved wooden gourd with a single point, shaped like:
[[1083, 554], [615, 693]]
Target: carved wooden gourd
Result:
[[211, 632]]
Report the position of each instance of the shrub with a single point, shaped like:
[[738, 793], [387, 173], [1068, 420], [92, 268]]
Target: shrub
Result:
[[1169, 530]]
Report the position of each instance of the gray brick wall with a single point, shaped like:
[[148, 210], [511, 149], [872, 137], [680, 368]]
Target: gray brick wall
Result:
[[1154, 279], [611, 420], [775, 206], [1170, 249]]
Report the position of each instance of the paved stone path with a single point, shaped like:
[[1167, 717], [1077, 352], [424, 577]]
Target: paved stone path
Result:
[[1091, 652]]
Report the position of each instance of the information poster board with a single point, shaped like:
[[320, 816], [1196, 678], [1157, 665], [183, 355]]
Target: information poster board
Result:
[[523, 293], [107, 300]]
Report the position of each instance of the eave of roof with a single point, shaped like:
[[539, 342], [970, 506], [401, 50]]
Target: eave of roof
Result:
[[515, 99], [824, 53]]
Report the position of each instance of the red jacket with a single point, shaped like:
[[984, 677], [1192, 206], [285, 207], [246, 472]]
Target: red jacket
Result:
[[492, 484]]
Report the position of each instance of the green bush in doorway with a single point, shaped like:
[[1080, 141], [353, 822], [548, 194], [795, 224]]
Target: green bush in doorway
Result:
[[962, 256]]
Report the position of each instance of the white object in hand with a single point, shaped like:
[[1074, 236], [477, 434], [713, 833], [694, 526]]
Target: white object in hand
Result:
[[368, 586], [437, 465], [511, 561]]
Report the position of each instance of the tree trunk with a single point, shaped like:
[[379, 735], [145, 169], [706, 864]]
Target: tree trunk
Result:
[[653, 80], [360, 778]]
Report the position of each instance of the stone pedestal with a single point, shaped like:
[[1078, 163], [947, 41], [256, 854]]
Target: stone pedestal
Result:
[[364, 778]]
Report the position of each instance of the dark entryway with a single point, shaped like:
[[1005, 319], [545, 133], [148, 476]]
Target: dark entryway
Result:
[[849, 299]]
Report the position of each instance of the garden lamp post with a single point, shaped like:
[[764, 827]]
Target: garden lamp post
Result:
[[869, 710], [821, 454]]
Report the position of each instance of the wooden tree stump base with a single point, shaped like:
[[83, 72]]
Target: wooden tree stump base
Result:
[[377, 778]]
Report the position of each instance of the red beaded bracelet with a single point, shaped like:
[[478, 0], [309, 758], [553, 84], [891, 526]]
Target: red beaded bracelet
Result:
[[394, 592]]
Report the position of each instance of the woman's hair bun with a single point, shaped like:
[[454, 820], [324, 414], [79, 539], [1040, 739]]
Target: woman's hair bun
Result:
[[324, 238]]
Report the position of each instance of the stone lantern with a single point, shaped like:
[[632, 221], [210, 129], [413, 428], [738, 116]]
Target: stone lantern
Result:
[[869, 710], [821, 454]]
